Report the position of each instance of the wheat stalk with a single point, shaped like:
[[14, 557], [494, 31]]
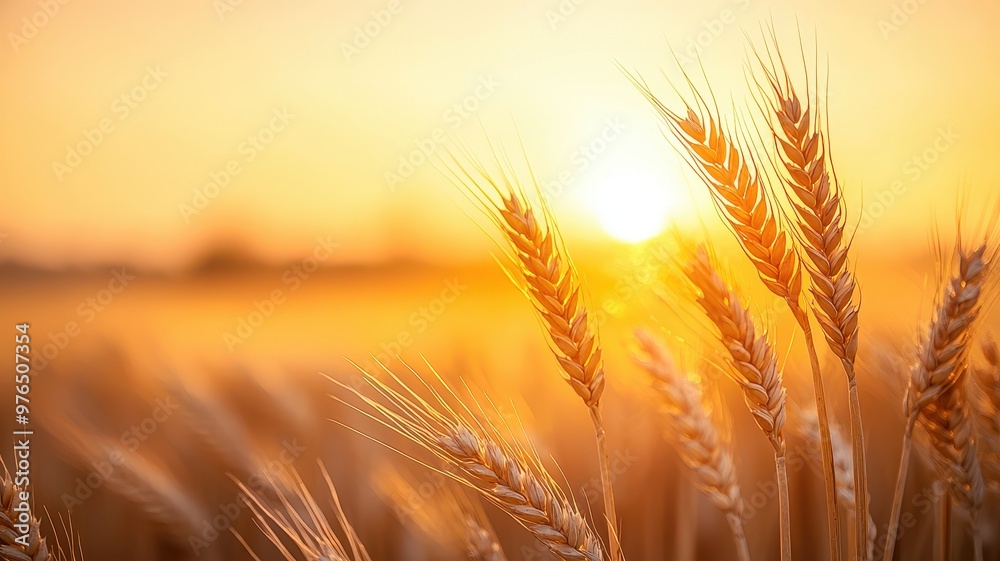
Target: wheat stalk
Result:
[[940, 367], [753, 365], [808, 426], [297, 517], [549, 280], [741, 198], [986, 408], [447, 516], [814, 194], [695, 437], [479, 457]]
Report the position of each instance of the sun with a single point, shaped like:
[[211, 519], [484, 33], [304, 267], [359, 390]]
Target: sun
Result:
[[631, 206]]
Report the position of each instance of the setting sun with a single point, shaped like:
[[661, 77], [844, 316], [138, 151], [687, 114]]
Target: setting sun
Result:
[[631, 206]]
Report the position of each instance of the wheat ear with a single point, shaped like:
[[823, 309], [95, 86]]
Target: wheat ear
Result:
[[986, 408], [694, 436], [296, 516], [753, 365], [741, 198], [549, 280], [499, 469], [814, 194], [948, 422], [14, 546], [447, 516], [941, 361]]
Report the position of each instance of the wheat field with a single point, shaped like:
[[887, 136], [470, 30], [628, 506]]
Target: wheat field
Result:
[[748, 383]]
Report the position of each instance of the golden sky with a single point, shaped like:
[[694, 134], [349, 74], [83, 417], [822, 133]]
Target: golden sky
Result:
[[119, 115]]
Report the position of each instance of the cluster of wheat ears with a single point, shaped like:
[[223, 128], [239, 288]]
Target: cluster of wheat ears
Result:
[[779, 196]]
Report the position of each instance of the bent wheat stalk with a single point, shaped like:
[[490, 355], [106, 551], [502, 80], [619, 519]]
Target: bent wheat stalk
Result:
[[547, 277], [695, 437], [741, 199], [753, 365], [815, 196], [941, 361], [499, 469]]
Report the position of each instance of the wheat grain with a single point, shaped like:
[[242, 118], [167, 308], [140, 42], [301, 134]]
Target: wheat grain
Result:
[[549, 280], [942, 360], [691, 430], [499, 470], [753, 364], [815, 197], [741, 197]]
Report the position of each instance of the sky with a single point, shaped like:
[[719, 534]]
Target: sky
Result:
[[151, 134]]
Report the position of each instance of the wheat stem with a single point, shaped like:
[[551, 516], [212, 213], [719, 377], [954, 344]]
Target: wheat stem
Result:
[[897, 497], [943, 529], [786, 525], [739, 536]]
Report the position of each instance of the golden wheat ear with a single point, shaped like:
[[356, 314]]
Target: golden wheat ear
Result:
[[441, 511], [540, 265], [693, 434], [814, 196], [726, 164], [936, 388], [296, 517], [482, 457], [752, 364]]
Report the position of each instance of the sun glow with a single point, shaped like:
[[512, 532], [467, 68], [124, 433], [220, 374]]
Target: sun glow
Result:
[[632, 206]]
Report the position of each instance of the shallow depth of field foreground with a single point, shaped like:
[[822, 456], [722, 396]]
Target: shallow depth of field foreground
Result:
[[584, 281]]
